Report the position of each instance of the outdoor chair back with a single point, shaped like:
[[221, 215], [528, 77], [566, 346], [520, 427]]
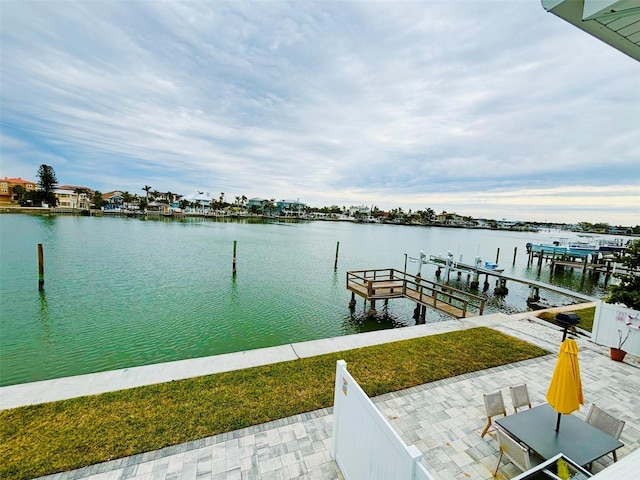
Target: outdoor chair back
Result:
[[494, 405], [605, 422], [514, 451], [519, 396]]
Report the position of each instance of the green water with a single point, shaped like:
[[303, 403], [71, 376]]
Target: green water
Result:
[[125, 292]]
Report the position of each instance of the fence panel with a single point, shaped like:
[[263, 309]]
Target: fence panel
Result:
[[611, 319], [365, 446]]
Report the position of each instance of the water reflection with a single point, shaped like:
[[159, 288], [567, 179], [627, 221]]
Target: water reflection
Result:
[[44, 317], [364, 321]]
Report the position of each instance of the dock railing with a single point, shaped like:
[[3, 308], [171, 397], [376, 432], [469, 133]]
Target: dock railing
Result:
[[389, 283]]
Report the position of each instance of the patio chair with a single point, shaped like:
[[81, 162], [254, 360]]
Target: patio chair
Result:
[[605, 422], [514, 451], [494, 405], [519, 396]]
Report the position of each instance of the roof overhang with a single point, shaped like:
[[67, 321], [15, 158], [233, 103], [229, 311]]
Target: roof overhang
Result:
[[615, 22]]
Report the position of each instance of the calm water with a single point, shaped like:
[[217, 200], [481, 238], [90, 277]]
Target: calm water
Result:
[[125, 292]]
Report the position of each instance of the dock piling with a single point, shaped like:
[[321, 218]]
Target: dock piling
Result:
[[515, 252], [335, 264], [234, 257], [40, 267]]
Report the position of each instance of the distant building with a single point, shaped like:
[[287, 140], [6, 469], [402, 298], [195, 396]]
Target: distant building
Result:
[[115, 199], [257, 205], [290, 208], [68, 197], [7, 196], [359, 211]]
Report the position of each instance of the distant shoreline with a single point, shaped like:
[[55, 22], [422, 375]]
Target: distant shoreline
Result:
[[65, 211]]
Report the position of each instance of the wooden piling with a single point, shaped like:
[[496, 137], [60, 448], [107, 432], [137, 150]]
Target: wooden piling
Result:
[[515, 252], [498, 255], [40, 267], [235, 242], [335, 264]]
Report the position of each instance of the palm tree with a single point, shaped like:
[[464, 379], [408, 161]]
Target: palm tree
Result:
[[79, 191], [147, 188], [221, 197]]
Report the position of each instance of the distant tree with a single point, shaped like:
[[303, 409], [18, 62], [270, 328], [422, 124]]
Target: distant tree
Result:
[[147, 189], [127, 199], [627, 291], [97, 200], [18, 192], [47, 183], [79, 191], [244, 200]]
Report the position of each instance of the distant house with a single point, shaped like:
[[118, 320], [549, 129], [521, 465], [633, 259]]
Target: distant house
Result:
[[7, 196], [359, 211], [114, 199], [200, 201], [257, 205], [68, 197], [290, 208]]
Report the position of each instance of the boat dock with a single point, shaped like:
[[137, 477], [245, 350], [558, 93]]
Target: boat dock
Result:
[[385, 284], [502, 278]]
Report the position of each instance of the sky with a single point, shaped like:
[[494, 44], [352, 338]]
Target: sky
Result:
[[493, 109]]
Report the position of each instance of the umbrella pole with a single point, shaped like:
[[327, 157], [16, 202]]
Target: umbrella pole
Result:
[[558, 423]]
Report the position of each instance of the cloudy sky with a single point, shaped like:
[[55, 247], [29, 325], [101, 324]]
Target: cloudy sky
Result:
[[492, 109]]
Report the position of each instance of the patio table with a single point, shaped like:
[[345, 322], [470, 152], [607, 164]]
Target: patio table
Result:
[[578, 440]]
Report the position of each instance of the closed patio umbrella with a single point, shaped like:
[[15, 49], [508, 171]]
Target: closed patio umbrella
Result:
[[565, 390]]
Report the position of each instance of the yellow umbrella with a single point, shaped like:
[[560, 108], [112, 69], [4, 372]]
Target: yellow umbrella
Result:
[[565, 390]]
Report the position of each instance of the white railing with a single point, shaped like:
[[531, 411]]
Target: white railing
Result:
[[365, 445]]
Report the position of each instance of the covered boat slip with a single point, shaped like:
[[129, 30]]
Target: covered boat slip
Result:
[[388, 283]]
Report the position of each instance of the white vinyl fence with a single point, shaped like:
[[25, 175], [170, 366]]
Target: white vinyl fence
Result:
[[611, 321], [365, 446]]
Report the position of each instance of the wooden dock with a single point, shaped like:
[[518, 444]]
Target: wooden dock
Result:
[[385, 284]]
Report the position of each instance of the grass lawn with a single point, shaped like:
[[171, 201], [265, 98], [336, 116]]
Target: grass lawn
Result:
[[64, 435], [586, 317]]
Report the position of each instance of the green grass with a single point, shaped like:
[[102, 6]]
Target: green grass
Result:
[[64, 435], [586, 317]]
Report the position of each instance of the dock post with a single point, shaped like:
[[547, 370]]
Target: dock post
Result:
[[40, 267], [540, 259], [233, 270], [335, 264], [515, 252], [352, 302], [476, 281], [501, 289], [498, 255]]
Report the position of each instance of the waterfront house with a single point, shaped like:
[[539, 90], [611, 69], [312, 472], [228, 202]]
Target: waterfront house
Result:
[[7, 196], [290, 208], [115, 200], [68, 196], [200, 201], [257, 205]]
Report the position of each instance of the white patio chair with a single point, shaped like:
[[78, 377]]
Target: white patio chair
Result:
[[514, 451], [494, 405], [605, 422], [519, 396]]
